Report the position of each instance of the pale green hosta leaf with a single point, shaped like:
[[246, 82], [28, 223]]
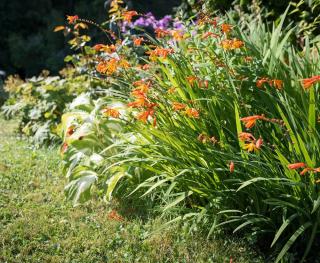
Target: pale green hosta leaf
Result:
[[78, 190]]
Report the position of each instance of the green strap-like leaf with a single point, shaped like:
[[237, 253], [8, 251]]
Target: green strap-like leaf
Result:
[[155, 186], [282, 228], [292, 136], [316, 205], [249, 222], [178, 200], [112, 183], [292, 239], [305, 152], [312, 110]]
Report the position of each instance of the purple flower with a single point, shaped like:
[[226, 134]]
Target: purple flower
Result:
[[148, 20], [178, 25]]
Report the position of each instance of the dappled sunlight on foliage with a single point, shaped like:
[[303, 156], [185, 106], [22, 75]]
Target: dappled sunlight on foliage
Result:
[[216, 123]]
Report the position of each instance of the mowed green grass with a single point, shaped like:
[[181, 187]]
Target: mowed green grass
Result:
[[37, 224]]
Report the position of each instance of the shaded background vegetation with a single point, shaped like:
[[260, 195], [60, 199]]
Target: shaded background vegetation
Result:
[[28, 44]]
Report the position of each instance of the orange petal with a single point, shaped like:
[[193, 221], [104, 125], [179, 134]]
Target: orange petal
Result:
[[295, 166]]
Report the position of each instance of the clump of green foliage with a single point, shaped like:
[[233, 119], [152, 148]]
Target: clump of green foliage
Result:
[[208, 132], [303, 15], [39, 102]]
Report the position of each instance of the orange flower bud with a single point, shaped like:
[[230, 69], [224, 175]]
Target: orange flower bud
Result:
[[295, 166], [231, 167]]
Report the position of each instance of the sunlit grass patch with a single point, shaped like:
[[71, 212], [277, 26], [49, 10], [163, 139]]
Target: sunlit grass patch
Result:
[[38, 225]]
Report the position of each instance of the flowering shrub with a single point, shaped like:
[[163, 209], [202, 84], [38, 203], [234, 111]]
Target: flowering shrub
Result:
[[218, 123]]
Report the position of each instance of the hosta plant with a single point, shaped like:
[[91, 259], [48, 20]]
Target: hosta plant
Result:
[[38, 103]]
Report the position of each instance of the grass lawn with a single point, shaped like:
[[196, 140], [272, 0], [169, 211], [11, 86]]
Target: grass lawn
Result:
[[38, 225]]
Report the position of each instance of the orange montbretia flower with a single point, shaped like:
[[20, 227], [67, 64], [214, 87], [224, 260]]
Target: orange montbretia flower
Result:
[[142, 85], [140, 82], [144, 67], [105, 48], [171, 90], [128, 15], [140, 93], [102, 67], [308, 169], [72, 19], [308, 82], [245, 136], [160, 33], [295, 166], [192, 113], [178, 106], [191, 79], [163, 52], [205, 19], [261, 81], [251, 120], [123, 63], [305, 170], [259, 143], [250, 147], [98, 47], [64, 148], [138, 41], [141, 99], [231, 167], [204, 138], [177, 34], [113, 215], [143, 116], [139, 102], [149, 112], [226, 28], [230, 44], [110, 112], [108, 67], [159, 52], [277, 83], [59, 28], [203, 84], [251, 143], [209, 34]]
